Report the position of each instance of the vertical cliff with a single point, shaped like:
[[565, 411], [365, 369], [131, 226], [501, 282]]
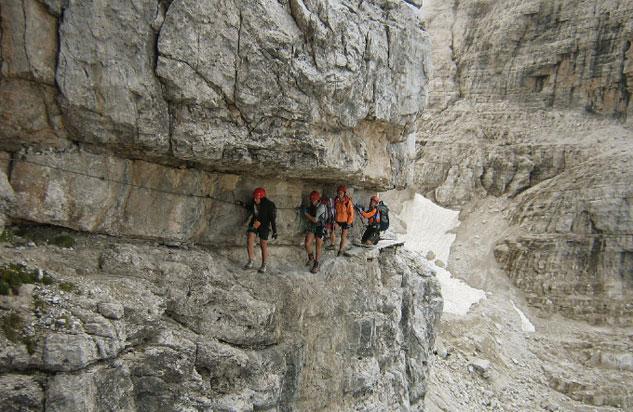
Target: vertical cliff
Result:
[[528, 132], [128, 133], [530, 102]]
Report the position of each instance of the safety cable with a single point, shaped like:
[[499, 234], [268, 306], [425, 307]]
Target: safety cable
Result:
[[298, 209], [149, 188], [238, 204]]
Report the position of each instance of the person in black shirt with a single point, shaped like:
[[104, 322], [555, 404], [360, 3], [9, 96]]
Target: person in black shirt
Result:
[[263, 218]]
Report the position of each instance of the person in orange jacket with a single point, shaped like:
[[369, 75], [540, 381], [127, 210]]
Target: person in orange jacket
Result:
[[372, 233], [344, 215]]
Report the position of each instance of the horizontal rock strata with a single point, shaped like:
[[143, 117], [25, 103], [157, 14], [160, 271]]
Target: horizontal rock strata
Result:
[[530, 102]]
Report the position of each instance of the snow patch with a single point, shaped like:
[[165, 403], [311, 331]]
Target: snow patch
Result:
[[526, 325], [428, 227], [458, 296]]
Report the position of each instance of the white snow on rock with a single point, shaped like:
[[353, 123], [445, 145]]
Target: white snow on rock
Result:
[[428, 227], [458, 296], [526, 325]]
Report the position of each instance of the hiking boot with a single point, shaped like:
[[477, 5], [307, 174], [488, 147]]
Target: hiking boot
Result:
[[262, 269], [310, 261], [249, 265], [315, 267]]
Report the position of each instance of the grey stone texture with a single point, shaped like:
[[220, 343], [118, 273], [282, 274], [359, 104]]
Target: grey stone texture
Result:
[[28, 51], [201, 333], [278, 88], [530, 102], [573, 250], [20, 393]]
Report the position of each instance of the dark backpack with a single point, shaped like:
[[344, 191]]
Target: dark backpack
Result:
[[384, 215]]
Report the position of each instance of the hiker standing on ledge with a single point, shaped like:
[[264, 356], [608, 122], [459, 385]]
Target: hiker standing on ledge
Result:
[[344, 215], [263, 216], [316, 214], [372, 233]]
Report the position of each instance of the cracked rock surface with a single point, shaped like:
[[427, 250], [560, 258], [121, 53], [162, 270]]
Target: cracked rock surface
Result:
[[175, 329], [330, 89]]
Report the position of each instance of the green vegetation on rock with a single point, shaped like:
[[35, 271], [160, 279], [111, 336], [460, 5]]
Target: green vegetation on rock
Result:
[[68, 287], [63, 241], [7, 236], [11, 325], [12, 276]]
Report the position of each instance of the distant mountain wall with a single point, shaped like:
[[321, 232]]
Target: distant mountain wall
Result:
[[530, 101]]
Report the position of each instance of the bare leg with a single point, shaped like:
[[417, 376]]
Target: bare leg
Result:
[[308, 243], [264, 245], [333, 236], [250, 245], [343, 240], [319, 248]]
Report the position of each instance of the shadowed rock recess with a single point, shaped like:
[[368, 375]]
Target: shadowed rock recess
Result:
[[128, 130]]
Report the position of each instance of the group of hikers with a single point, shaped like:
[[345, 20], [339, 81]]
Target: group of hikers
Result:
[[323, 216]]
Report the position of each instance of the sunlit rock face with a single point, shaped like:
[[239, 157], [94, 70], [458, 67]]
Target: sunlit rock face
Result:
[[530, 101], [154, 328], [279, 88]]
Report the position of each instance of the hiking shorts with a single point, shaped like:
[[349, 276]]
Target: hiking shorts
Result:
[[344, 225], [372, 234], [318, 231], [261, 232]]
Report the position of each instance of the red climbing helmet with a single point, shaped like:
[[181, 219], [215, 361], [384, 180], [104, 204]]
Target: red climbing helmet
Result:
[[314, 196], [259, 193], [342, 188]]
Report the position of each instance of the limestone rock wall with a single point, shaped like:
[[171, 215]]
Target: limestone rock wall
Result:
[[573, 250], [516, 74], [281, 89], [130, 326], [107, 194], [554, 54], [530, 101]]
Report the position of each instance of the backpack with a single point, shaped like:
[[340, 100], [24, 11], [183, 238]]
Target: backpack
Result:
[[384, 215], [328, 217]]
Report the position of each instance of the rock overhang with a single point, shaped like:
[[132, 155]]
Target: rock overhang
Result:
[[284, 89]]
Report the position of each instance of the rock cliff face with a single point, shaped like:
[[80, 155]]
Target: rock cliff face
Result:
[[291, 88], [148, 120], [530, 101], [131, 326]]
